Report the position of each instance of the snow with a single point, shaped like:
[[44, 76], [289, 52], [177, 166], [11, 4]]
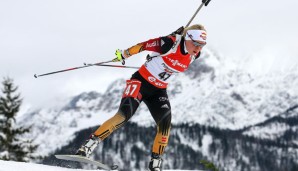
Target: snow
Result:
[[14, 166], [207, 140], [271, 131]]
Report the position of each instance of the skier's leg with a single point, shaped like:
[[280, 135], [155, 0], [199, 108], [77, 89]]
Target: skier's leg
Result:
[[162, 135], [160, 142], [110, 125], [160, 109], [126, 110], [128, 106]]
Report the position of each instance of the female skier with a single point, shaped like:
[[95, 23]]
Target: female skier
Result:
[[149, 84]]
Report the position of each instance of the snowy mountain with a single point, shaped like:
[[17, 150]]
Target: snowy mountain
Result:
[[212, 94], [189, 144], [278, 128]]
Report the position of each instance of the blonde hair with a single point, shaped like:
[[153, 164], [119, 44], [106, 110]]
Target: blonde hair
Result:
[[194, 27]]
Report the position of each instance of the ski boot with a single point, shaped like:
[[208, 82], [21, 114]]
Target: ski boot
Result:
[[88, 147], [155, 163]]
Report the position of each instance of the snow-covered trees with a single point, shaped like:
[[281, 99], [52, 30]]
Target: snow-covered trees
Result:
[[13, 144]]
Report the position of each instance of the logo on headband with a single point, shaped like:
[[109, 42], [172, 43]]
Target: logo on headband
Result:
[[203, 35]]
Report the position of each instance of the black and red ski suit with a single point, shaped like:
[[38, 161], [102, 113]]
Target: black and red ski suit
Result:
[[149, 85]]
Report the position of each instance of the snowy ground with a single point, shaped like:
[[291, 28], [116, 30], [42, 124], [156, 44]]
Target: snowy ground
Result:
[[19, 166]]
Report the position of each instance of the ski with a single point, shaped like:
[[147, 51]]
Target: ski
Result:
[[83, 159]]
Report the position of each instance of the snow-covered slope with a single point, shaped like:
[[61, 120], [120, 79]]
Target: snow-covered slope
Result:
[[279, 128], [15, 166], [212, 92]]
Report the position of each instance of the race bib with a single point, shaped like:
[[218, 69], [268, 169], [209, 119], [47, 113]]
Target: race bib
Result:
[[132, 89]]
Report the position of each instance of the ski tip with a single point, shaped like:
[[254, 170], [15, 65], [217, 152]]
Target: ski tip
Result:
[[67, 156], [58, 156]]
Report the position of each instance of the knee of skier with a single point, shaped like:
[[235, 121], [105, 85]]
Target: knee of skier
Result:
[[165, 119], [164, 125], [128, 107]]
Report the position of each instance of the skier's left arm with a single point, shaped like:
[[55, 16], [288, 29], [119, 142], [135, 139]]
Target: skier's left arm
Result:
[[158, 45]]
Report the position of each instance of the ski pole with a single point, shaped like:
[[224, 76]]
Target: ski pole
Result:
[[69, 69], [204, 2], [115, 66]]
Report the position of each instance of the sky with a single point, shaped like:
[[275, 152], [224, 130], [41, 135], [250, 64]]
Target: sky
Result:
[[37, 37]]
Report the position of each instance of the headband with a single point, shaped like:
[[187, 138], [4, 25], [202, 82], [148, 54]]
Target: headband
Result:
[[198, 35]]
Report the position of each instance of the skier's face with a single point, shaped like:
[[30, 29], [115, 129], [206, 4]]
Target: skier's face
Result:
[[194, 47], [195, 40]]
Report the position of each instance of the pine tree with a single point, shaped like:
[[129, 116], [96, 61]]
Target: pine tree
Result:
[[13, 146]]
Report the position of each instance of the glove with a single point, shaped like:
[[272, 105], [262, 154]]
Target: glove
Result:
[[178, 31], [119, 57]]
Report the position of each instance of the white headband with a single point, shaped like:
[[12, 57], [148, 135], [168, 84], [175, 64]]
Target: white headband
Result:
[[198, 35]]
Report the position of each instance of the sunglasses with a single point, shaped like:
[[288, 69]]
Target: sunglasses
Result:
[[195, 43]]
